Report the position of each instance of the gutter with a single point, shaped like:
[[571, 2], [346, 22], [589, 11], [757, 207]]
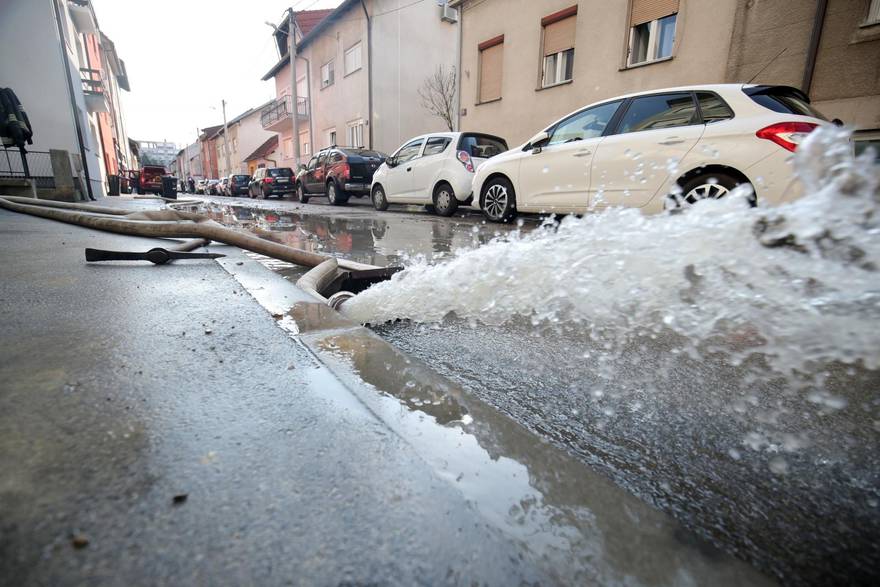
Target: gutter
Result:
[[813, 49], [369, 73]]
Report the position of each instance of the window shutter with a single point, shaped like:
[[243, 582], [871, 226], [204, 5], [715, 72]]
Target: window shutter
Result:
[[559, 36], [647, 10], [491, 65]]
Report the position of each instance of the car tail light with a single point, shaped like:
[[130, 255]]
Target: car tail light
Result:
[[345, 170], [267, 180], [787, 135], [466, 160]]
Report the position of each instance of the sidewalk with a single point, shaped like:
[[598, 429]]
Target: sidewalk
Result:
[[158, 427]]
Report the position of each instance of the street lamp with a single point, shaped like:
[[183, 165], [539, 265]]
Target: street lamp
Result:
[[291, 53]]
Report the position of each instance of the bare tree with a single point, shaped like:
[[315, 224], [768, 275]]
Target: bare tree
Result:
[[437, 95]]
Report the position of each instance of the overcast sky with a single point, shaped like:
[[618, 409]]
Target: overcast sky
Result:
[[184, 56]]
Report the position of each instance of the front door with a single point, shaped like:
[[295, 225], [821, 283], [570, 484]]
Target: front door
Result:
[[653, 136], [556, 176], [400, 178], [427, 167]]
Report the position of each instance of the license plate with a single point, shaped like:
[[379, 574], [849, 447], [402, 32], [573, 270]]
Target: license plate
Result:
[[282, 181]]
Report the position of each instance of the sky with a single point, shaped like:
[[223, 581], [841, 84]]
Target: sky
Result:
[[184, 56]]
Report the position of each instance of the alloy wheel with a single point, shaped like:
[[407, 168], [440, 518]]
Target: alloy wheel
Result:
[[706, 191], [496, 200]]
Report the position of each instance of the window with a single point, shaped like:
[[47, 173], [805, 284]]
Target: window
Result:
[[482, 146], [660, 111], [313, 162], [713, 108], [331, 137], [436, 145], [783, 100], [586, 124], [353, 59], [559, 35], [288, 148], [873, 12], [355, 130], [304, 146], [652, 30], [491, 65], [409, 151], [327, 74], [302, 88], [336, 157]]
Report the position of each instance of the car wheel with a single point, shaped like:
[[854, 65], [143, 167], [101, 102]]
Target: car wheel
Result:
[[335, 195], [499, 200], [301, 194], [380, 202], [445, 203], [262, 195], [706, 186]]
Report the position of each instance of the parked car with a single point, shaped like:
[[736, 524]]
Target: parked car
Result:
[[436, 170], [638, 150], [211, 187], [271, 181], [200, 186], [238, 185], [221, 186], [338, 173]]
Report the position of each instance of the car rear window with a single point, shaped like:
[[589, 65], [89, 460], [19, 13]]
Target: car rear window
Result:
[[783, 100], [241, 178], [367, 154], [281, 172], [713, 108], [482, 146], [658, 111]]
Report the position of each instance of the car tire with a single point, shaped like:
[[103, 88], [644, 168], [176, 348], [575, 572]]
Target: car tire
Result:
[[262, 195], [380, 200], [301, 194], [705, 186], [335, 196], [445, 202], [499, 200], [430, 209]]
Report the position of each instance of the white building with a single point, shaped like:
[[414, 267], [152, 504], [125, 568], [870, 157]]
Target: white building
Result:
[[68, 76]]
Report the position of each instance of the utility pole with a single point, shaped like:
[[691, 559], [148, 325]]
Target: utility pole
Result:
[[291, 50], [226, 138]]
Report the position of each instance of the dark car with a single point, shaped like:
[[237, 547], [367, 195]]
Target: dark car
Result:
[[238, 185], [338, 173], [271, 181]]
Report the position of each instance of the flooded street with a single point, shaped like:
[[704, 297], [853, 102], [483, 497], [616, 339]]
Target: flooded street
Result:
[[732, 384]]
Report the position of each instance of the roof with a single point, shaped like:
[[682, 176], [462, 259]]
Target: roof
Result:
[[209, 132], [265, 149], [313, 33], [309, 19]]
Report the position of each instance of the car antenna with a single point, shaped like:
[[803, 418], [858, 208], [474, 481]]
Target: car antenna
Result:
[[769, 63]]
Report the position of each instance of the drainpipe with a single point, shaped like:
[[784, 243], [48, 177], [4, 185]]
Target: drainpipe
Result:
[[369, 71], [291, 54], [311, 112], [458, 33], [73, 107], [813, 50]]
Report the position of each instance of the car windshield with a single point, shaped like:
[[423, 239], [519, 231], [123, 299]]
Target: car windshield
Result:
[[280, 172], [481, 146]]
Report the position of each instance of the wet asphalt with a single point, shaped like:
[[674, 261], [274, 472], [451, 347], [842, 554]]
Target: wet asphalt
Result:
[[817, 522]]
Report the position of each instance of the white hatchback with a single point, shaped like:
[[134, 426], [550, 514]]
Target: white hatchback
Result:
[[654, 150], [435, 170]]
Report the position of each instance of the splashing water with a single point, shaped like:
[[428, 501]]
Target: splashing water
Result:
[[797, 284]]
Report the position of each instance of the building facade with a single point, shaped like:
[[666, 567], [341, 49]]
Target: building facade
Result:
[[549, 58], [69, 84], [245, 134], [341, 98]]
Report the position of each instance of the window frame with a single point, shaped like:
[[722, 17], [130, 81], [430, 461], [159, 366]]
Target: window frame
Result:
[[448, 141], [331, 70], [551, 19], [653, 43], [560, 69], [611, 126], [873, 14], [481, 48], [353, 124], [422, 140], [359, 47]]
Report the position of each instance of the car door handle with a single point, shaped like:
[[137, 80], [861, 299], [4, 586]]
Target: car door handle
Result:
[[409, 168], [583, 153], [672, 141]]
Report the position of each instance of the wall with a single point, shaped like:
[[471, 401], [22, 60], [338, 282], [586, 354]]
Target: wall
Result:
[[282, 88], [408, 45], [699, 56], [250, 136]]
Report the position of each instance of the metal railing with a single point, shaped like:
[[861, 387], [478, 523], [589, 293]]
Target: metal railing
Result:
[[280, 110], [92, 81], [39, 165]]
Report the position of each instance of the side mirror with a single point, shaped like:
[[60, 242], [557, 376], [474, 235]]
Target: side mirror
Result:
[[536, 142], [391, 161]]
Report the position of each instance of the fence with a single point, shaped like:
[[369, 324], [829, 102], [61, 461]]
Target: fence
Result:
[[281, 109], [39, 165]]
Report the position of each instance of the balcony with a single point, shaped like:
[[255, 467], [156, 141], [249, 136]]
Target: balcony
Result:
[[276, 117], [94, 92]]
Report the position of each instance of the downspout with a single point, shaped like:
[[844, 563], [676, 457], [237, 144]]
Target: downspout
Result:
[[458, 51], [813, 49], [73, 107], [369, 71]]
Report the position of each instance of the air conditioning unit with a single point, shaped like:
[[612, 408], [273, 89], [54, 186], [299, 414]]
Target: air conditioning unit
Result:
[[448, 14]]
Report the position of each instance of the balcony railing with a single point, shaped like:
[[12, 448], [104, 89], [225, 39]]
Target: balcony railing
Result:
[[280, 110], [94, 90]]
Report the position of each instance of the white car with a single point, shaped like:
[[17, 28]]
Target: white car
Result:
[[435, 170], [654, 150]]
